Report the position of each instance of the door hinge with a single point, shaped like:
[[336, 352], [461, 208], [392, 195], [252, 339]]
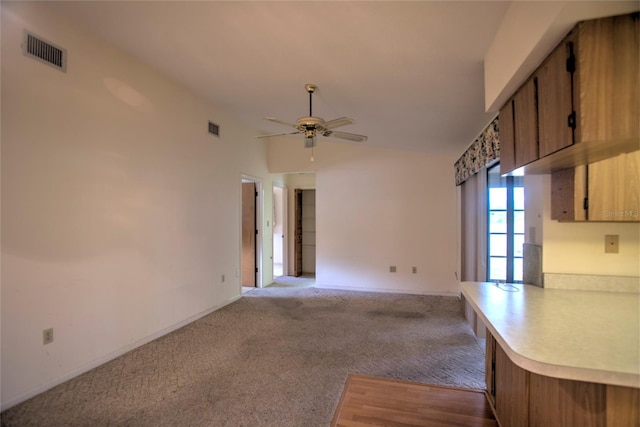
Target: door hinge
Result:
[[585, 204], [256, 232], [571, 120], [256, 269], [571, 60]]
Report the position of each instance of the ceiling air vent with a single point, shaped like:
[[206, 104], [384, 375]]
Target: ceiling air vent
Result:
[[37, 48], [214, 129]]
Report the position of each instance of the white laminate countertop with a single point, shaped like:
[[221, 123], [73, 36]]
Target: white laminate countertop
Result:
[[577, 335]]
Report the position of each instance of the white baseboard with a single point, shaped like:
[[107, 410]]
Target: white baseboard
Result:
[[389, 290], [104, 359]]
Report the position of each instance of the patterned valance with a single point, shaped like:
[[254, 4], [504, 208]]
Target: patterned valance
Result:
[[484, 150]]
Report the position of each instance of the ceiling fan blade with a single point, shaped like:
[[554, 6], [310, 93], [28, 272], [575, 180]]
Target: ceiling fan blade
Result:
[[273, 119], [278, 134], [350, 136], [342, 121]]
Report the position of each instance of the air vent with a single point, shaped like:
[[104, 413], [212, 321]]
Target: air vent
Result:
[[37, 48], [214, 129]]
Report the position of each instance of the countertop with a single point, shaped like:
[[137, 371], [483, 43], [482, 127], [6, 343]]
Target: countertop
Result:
[[578, 335]]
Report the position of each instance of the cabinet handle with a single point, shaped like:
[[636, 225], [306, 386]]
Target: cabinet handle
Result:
[[571, 120], [571, 59]]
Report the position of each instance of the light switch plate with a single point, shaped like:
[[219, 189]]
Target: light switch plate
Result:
[[611, 244]]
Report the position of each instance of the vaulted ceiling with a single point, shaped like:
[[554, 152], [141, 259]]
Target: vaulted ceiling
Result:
[[409, 73]]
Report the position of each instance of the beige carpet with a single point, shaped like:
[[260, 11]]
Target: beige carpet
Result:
[[293, 281], [277, 357]]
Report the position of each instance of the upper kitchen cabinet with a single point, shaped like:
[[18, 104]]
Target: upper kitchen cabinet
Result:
[[582, 104], [608, 190], [613, 189], [525, 109], [554, 79], [606, 88], [519, 128], [507, 138]]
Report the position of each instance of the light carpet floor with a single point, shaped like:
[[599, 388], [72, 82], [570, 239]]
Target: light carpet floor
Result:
[[277, 357]]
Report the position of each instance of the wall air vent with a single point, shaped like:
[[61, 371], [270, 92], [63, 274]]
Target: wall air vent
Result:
[[214, 129], [37, 48]]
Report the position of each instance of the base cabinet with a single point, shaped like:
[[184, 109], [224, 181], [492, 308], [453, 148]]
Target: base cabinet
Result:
[[553, 401], [511, 384], [525, 399]]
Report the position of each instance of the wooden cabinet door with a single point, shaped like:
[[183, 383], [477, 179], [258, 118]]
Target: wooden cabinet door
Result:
[[614, 188], [566, 403], [507, 138], [525, 112], [623, 409], [568, 193], [608, 88], [555, 104], [512, 392]]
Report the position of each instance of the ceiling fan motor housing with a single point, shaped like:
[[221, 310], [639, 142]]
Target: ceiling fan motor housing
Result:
[[310, 123]]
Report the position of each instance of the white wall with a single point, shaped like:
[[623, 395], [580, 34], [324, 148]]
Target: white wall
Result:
[[120, 213], [376, 208]]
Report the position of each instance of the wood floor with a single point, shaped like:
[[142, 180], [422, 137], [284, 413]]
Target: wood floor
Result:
[[369, 401]]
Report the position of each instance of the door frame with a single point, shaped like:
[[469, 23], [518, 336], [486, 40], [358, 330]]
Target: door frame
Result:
[[259, 215]]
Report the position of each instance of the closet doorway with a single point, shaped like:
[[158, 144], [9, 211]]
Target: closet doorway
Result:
[[305, 233]]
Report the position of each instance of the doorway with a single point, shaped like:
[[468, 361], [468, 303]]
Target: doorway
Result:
[[279, 230], [251, 240], [305, 233]]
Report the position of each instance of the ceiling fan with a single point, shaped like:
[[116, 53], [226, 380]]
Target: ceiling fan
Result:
[[310, 126]]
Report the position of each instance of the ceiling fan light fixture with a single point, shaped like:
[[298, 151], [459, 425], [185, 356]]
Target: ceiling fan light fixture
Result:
[[309, 139]]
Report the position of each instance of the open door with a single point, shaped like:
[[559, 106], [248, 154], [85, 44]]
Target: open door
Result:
[[249, 195]]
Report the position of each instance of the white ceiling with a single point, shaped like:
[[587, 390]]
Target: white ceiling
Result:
[[409, 73]]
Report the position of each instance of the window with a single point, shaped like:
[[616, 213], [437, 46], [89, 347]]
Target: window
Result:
[[506, 226]]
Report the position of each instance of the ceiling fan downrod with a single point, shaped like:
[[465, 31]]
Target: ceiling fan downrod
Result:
[[310, 88]]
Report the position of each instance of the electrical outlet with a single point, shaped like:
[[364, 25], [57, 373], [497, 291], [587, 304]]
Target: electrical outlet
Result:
[[414, 270], [223, 278], [392, 269], [611, 244], [47, 336]]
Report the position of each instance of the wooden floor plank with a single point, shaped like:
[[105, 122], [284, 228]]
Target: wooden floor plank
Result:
[[370, 401]]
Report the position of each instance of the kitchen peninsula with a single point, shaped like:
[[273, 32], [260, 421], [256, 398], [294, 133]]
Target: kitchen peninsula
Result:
[[560, 357]]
